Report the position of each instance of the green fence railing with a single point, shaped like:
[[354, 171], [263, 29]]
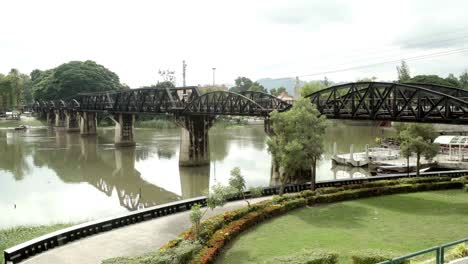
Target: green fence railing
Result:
[[440, 253]]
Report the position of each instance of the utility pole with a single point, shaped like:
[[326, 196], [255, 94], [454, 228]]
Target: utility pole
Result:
[[184, 67], [214, 76]]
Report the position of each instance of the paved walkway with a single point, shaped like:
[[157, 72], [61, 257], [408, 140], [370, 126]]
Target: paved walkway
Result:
[[130, 240]]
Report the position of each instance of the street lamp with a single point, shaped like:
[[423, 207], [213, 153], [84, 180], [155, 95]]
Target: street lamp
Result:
[[214, 76]]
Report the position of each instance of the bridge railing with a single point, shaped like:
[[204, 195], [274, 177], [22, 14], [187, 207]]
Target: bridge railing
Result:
[[439, 254], [64, 236]]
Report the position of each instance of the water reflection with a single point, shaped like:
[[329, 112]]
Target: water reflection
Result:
[[53, 176], [348, 172]]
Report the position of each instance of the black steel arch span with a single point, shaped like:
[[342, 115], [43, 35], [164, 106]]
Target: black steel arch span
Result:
[[177, 101], [453, 91], [391, 102]]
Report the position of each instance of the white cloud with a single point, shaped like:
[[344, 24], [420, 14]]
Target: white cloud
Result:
[[251, 38]]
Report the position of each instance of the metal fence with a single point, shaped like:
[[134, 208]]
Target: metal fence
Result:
[[440, 253], [32, 247]]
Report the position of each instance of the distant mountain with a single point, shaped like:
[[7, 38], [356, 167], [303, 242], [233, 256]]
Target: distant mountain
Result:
[[288, 83]]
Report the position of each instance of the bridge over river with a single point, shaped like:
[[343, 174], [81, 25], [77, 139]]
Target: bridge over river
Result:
[[195, 112]]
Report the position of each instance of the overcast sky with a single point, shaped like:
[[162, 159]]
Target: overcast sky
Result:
[[256, 39]]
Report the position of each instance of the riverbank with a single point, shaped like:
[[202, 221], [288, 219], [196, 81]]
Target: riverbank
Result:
[[16, 235]]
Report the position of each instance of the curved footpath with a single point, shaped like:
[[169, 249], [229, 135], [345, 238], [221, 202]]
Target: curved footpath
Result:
[[131, 240]]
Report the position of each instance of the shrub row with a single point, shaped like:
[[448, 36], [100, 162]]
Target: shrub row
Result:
[[306, 257]]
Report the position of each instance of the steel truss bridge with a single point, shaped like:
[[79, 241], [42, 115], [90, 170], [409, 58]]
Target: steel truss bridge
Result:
[[411, 102], [180, 101]]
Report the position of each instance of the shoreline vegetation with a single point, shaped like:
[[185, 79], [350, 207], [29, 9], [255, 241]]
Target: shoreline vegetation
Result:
[[159, 123], [15, 235]]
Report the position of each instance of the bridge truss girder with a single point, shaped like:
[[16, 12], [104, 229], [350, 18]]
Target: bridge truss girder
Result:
[[389, 101]]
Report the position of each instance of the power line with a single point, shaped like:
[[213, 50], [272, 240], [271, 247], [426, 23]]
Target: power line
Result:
[[414, 58]]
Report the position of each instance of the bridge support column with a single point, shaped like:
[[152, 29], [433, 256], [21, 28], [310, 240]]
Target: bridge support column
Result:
[[50, 116], [71, 121], [59, 118], [194, 142], [88, 123], [124, 130]]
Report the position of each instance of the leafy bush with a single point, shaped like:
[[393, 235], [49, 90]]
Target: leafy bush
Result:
[[181, 254], [370, 257], [326, 190], [460, 251], [307, 193], [423, 180], [465, 187], [306, 257]]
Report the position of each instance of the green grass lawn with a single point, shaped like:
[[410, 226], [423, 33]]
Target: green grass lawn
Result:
[[13, 236], [399, 224]]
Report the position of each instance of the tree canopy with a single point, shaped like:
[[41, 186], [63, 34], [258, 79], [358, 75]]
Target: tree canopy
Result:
[[464, 79], [72, 78], [297, 142], [277, 91], [15, 90], [417, 139], [312, 87], [245, 84], [403, 72], [434, 79]]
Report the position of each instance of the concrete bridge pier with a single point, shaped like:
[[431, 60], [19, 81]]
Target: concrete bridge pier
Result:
[[60, 118], [88, 123], [71, 121], [124, 130], [50, 116], [194, 142]]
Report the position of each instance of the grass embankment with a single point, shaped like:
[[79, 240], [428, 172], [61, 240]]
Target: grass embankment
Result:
[[16, 235], [400, 224]]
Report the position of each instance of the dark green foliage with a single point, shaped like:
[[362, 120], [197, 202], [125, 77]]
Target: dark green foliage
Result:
[[403, 72], [373, 257], [432, 79], [15, 91], [72, 78], [370, 257], [277, 92], [306, 257], [245, 84], [181, 254], [464, 80]]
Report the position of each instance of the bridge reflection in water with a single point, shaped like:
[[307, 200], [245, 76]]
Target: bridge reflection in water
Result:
[[112, 171]]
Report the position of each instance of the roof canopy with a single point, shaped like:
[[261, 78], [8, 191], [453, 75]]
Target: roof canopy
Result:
[[452, 140]]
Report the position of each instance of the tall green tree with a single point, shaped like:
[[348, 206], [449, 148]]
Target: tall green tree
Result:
[[464, 80], [297, 142], [277, 91], [418, 139], [72, 78], [312, 87], [453, 80], [15, 90], [403, 72], [245, 84]]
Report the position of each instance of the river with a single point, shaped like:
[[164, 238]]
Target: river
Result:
[[49, 176]]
